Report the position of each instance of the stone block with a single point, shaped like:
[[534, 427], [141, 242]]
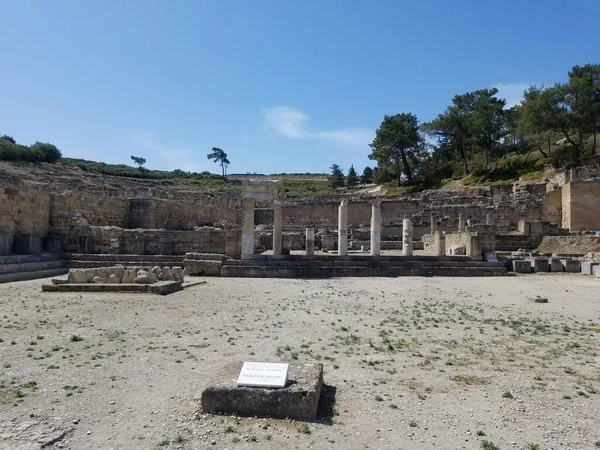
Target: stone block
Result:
[[144, 277], [113, 279], [520, 266], [166, 274], [199, 267], [587, 268], [4, 244], [572, 265], [540, 265], [299, 400], [129, 276], [556, 265], [177, 273], [99, 280]]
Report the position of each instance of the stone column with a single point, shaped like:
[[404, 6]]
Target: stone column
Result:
[[462, 223], [343, 228], [277, 227], [439, 244], [407, 238], [376, 228], [247, 228], [434, 226], [310, 241]]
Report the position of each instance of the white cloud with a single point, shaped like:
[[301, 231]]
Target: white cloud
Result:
[[148, 140], [511, 92], [293, 123]]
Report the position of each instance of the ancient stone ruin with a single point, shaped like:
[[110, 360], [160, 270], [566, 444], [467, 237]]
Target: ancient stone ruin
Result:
[[50, 223]]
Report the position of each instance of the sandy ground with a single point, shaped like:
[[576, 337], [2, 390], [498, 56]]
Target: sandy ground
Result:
[[415, 363]]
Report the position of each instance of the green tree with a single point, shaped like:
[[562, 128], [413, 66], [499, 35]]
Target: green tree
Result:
[[395, 143], [219, 156], [352, 177], [367, 176], [8, 138], [138, 160], [336, 179], [475, 124], [47, 152]]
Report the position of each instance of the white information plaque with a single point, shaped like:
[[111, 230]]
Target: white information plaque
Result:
[[256, 374]]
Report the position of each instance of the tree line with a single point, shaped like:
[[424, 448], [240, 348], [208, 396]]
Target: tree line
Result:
[[38, 152], [478, 135]]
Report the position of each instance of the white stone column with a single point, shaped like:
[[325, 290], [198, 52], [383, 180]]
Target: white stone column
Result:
[[277, 227], [376, 228], [310, 241], [474, 247], [343, 228], [462, 223], [248, 228], [439, 244], [407, 237]]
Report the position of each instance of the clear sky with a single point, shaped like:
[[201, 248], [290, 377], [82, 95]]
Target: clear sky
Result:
[[280, 85]]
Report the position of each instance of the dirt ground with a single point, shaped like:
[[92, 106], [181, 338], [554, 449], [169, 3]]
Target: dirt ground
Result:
[[414, 363]]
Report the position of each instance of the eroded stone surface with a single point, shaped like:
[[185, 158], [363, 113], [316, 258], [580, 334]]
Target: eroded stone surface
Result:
[[299, 400]]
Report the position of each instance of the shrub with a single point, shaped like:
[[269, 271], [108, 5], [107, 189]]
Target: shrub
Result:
[[49, 152]]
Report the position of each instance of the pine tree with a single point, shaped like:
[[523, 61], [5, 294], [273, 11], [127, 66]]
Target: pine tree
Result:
[[352, 177], [336, 179]]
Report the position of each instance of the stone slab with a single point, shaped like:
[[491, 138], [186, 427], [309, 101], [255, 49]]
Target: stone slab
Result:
[[587, 268], [161, 288], [520, 266], [299, 400], [200, 267]]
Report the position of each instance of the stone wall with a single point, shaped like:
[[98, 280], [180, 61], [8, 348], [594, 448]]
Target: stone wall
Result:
[[506, 204], [23, 209], [155, 242], [181, 214], [98, 208], [581, 205]]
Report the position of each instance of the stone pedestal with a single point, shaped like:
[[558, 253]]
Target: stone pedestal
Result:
[[521, 266], [327, 241], [587, 268], [439, 244], [310, 241], [540, 265], [473, 249], [376, 228], [343, 228], [572, 265], [556, 265], [489, 219], [277, 227], [462, 223], [248, 228], [407, 237]]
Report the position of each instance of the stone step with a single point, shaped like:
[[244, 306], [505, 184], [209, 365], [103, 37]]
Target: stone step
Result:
[[121, 258], [365, 263], [30, 267], [316, 271], [91, 264], [31, 275], [22, 259]]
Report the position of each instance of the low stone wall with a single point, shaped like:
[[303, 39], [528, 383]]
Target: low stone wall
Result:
[[150, 242], [569, 245], [125, 275]]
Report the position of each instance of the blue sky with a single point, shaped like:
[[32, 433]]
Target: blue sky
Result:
[[280, 85]]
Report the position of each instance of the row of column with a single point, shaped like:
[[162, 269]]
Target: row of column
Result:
[[248, 230], [407, 230]]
